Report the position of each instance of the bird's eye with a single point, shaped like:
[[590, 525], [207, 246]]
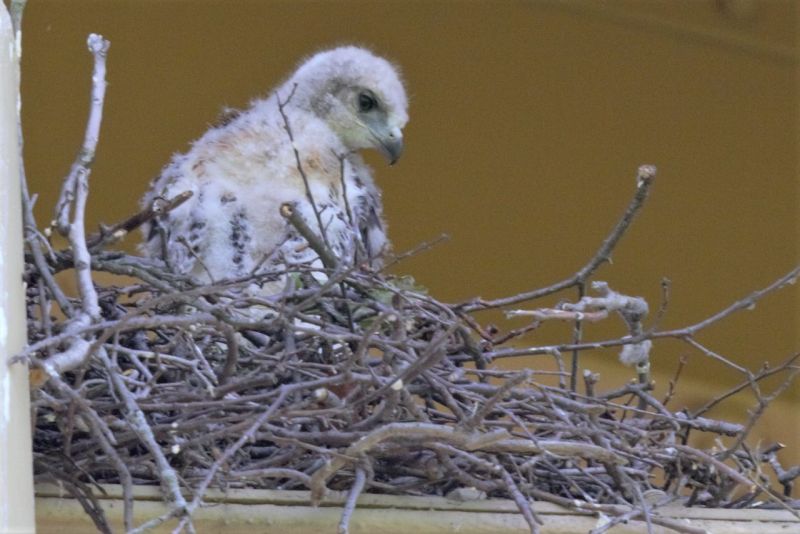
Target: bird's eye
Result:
[[366, 102]]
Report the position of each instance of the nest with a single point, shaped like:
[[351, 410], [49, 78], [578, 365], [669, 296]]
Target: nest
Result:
[[354, 380], [360, 381]]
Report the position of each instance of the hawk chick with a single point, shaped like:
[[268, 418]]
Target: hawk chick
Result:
[[241, 171]]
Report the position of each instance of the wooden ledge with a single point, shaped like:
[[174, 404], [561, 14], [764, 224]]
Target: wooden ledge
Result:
[[269, 511]]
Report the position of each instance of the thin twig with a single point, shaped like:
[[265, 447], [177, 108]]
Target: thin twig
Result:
[[309, 195], [291, 214], [82, 164], [352, 497], [644, 180]]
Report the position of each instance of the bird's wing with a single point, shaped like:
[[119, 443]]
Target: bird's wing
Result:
[[366, 210], [172, 236]]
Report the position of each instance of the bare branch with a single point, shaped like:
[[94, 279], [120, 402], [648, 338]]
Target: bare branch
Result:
[[352, 498], [82, 164], [644, 180]]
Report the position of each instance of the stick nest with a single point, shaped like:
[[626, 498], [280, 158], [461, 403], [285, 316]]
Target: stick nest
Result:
[[353, 380]]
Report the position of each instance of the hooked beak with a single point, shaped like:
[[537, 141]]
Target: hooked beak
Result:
[[393, 149], [391, 145]]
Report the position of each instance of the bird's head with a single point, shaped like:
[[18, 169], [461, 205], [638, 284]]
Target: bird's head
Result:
[[358, 94]]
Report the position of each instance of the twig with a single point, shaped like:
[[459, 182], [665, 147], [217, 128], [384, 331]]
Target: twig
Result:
[[745, 303], [674, 381], [746, 383], [352, 497], [138, 422], [81, 166], [32, 242], [230, 451], [158, 208], [522, 503], [762, 403], [299, 165], [477, 418], [577, 337], [291, 214], [644, 180], [422, 247]]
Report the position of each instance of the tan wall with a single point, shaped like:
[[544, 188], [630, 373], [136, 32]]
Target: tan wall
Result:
[[528, 120]]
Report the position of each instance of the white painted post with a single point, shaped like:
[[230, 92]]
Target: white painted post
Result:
[[16, 460]]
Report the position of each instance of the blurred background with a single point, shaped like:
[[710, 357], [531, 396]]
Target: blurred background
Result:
[[528, 121]]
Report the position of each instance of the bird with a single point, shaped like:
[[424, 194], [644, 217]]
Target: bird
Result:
[[298, 147]]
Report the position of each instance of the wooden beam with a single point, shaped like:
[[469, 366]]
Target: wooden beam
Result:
[[265, 511]]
